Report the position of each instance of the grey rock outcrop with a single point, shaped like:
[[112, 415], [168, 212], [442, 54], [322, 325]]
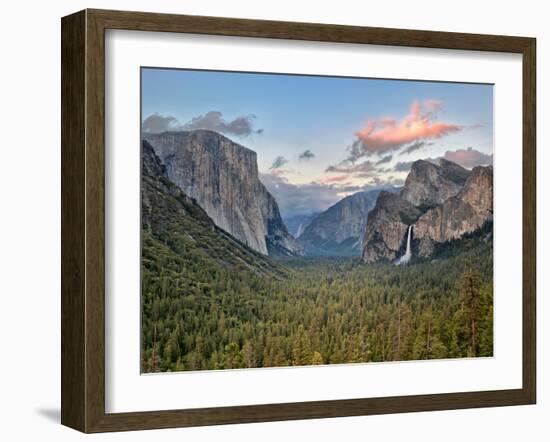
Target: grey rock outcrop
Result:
[[223, 177], [339, 230], [442, 202], [463, 213], [429, 185], [387, 227]]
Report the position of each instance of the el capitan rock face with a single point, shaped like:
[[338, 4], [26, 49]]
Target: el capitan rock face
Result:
[[223, 177], [443, 202], [339, 229], [174, 223]]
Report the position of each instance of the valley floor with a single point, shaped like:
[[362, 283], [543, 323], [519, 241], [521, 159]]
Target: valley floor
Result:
[[317, 311]]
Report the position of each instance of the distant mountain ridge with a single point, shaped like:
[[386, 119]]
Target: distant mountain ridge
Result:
[[223, 178], [339, 229], [441, 203]]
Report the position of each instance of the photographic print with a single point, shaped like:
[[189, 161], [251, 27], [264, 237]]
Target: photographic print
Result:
[[298, 220]]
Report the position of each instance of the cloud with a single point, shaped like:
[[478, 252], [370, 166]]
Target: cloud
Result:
[[417, 145], [383, 135], [334, 179], [278, 162], [156, 123], [306, 155], [403, 166], [469, 157], [213, 120], [385, 159], [364, 167], [301, 199], [433, 106]]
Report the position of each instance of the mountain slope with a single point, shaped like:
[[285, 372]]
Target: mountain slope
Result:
[[387, 227], [178, 236], [339, 229], [469, 210], [428, 184], [442, 202], [223, 177]]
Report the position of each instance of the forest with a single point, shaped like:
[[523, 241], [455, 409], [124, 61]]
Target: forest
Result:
[[313, 310]]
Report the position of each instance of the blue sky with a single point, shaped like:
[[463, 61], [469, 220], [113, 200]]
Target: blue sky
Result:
[[357, 131]]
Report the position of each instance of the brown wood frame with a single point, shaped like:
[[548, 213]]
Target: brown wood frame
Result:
[[83, 217]]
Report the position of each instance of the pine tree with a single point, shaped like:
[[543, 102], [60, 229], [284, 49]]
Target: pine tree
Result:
[[317, 358], [249, 354], [301, 348], [470, 288]]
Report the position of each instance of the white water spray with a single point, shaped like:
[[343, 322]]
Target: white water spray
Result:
[[407, 256]]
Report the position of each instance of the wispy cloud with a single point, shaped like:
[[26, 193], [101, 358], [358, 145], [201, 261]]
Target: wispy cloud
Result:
[[344, 167], [384, 160], [383, 135], [213, 120], [278, 162], [306, 155], [417, 145], [335, 179]]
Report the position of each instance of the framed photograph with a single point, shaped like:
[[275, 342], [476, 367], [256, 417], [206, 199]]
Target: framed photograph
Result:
[[267, 221]]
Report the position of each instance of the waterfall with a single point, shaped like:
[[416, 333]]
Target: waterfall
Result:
[[407, 256]]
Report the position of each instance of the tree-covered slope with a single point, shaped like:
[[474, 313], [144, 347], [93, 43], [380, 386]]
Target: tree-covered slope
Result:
[[185, 256], [173, 221]]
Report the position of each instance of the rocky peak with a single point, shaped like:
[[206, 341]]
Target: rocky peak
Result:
[[467, 211], [429, 184], [442, 202], [223, 177], [453, 172], [339, 229]]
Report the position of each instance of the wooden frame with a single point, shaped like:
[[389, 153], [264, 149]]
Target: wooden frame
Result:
[[83, 216]]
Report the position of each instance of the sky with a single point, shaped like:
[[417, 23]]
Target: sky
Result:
[[319, 138]]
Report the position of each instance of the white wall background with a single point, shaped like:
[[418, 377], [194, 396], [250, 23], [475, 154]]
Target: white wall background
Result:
[[30, 217]]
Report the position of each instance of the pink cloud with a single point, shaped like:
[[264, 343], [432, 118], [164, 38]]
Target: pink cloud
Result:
[[386, 134], [469, 157], [281, 172], [334, 179]]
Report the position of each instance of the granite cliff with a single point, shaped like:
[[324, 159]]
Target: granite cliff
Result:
[[460, 214], [441, 202], [387, 227], [177, 231], [339, 229], [222, 176]]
